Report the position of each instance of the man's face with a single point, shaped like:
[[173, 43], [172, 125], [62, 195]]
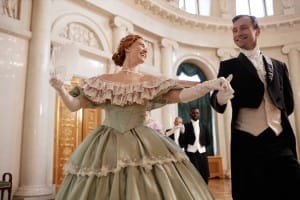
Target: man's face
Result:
[[195, 114], [244, 34]]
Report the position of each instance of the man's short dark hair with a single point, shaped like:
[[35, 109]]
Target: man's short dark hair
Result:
[[251, 17]]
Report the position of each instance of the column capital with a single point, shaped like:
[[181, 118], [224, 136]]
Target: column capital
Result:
[[118, 21], [289, 47], [226, 53], [169, 43]]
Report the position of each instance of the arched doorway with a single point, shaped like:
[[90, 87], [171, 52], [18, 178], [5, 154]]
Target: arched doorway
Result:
[[191, 72]]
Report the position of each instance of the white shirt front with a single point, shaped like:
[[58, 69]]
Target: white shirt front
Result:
[[176, 135], [256, 120], [196, 146]]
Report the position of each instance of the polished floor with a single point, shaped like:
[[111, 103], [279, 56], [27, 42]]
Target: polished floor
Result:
[[221, 188]]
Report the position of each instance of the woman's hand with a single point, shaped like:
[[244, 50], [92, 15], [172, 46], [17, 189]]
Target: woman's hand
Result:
[[56, 83], [219, 83], [72, 103]]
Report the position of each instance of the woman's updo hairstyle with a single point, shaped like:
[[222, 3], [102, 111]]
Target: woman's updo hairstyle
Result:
[[119, 56]]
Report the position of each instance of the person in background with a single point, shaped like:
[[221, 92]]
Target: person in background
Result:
[[152, 123], [178, 128], [195, 141], [263, 148], [123, 158]]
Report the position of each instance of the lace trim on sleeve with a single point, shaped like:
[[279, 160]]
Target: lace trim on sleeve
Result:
[[100, 91], [146, 163]]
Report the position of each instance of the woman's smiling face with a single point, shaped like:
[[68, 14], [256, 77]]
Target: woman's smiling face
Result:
[[137, 51]]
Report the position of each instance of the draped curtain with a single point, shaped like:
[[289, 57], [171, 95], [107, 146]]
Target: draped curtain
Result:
[[201, 103]]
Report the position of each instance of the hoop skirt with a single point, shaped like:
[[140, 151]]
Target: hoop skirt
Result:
[[123, 159]]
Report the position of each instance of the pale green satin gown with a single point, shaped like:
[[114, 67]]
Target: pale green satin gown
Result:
[[123, 159]]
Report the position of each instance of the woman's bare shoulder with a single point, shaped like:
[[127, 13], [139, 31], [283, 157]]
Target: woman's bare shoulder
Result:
[[127, 78], [109, 77], [148, 77], [121, 78]]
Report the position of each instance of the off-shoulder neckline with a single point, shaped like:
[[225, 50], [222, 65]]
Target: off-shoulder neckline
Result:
[[147, 78], [99, 91]]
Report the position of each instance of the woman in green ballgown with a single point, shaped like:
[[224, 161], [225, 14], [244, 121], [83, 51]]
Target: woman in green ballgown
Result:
[[123, 158]]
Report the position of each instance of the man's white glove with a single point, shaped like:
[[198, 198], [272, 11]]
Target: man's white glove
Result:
[[72, 103], [223, 96], [201, 89]]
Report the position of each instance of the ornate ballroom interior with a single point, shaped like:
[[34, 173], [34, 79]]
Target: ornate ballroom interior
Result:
[[38, 133]]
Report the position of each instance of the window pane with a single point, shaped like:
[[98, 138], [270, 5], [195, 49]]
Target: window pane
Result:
[[269, 7], [181, 4], [242, 7], [204, 7], [257, 8], [190, 6], [183, 76]]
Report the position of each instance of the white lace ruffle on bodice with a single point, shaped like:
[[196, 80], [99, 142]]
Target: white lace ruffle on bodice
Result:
[[100, 91]]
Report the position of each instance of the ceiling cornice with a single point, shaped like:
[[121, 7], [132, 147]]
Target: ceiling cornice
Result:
[[174, 15]]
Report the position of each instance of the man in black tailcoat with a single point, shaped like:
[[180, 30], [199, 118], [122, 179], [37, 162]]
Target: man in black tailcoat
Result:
[[263, 148]]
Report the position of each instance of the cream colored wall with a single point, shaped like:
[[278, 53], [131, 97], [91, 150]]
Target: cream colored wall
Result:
[[14, 40], [13, 68], [27, 111]]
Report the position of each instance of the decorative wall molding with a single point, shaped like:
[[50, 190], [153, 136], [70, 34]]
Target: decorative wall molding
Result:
[[121, 22], [74, 27], [80, 29], [289, 47], [10, 8], [169, 43], [177, 16], [79, 33], [174, 15], [206, 64], [226, 53]]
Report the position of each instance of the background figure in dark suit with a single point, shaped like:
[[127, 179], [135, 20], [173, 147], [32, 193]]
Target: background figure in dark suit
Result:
[[195, 141], [263, 155], [178, 128]]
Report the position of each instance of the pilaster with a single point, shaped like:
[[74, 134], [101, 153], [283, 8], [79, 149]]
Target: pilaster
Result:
[[224, 120], [120, 28], [36, 159], [292, 51], [167, 52]]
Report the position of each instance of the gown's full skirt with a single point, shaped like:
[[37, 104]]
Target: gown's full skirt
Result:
[[138, 164]]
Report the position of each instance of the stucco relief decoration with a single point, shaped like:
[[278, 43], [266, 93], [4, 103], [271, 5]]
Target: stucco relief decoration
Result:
[[166, 10], [66, 114], [150, 55], [67, 131], [174, 15], [287, 3], [67, 151], [10, 8], [173, 2], [227, 53], [224, 7], [288, 6], [77, 32]]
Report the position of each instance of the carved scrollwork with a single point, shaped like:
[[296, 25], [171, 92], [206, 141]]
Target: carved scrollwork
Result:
[[167, 11], [150, 54], [10, 8], [79, 33]]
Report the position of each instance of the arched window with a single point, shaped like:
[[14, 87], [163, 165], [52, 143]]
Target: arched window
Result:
[[196, 7], [258, 8]]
